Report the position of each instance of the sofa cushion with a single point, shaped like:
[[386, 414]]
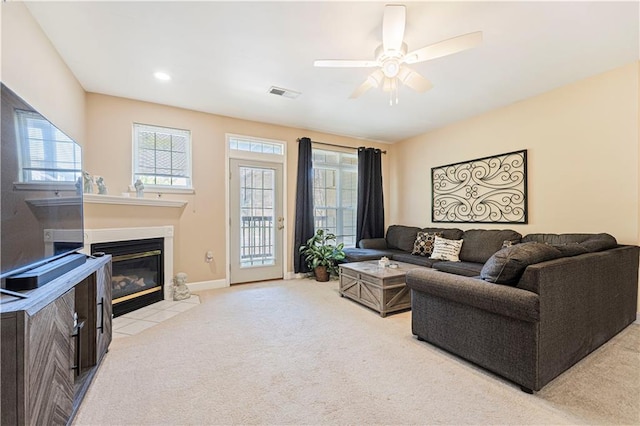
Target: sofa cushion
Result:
[[480, 244], [401, 237], [423, 246], [444, 249], [360, 255], [570, 249], [591, 242], [508, 264], [467, 269], [414, 259], [448, 233], [373, 243]]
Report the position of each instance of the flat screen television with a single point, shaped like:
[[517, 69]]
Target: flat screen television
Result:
[[40, 197]]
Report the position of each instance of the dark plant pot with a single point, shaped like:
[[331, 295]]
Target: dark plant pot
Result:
[[322, 274]]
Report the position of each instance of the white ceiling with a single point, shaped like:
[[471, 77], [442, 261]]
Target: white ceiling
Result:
[[224, 56]]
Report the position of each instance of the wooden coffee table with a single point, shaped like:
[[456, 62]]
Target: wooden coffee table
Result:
[[381, 289]]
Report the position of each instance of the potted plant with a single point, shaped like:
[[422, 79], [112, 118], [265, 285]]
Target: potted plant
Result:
[[321, 255]]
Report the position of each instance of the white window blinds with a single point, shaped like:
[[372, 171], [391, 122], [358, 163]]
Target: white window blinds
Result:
[[162, 156]]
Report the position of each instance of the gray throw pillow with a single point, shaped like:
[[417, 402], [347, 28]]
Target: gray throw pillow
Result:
[[507, 265]]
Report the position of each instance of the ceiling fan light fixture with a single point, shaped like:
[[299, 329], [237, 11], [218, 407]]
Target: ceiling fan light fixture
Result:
[[392, 56], [390, 68]]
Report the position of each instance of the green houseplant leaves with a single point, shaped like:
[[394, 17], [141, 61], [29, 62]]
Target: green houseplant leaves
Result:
[[319, 251]]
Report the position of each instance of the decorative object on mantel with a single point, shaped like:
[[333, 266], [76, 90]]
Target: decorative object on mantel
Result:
[[102, 187], [180, 289], [139, 185], [87, 182], [486, 190]]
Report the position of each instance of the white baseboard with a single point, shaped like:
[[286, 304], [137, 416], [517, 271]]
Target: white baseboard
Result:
[[207, 285], [637, 321], [293, 276]]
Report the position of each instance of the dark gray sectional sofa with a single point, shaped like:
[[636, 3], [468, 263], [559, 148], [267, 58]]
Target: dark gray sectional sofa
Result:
[[527, 312]]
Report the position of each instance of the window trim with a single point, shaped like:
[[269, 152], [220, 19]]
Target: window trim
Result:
[[154, 188], [258, 156]]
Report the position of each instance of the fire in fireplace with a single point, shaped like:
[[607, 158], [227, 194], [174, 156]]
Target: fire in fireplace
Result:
[[137, 278]]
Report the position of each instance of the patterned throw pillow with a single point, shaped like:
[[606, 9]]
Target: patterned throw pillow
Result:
[[424, 243], [444, 249]]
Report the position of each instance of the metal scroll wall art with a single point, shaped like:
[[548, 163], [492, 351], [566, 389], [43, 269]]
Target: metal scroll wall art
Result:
[[485, 190]]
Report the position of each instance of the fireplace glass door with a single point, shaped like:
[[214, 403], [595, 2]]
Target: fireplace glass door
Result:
[[138, 277], [135, 275]]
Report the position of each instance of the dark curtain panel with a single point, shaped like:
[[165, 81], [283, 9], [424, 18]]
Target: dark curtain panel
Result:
[[304, 204], [370, 216]]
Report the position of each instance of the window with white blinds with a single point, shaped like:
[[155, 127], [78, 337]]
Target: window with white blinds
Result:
[[162, 156], [47, 154], [335, 193]]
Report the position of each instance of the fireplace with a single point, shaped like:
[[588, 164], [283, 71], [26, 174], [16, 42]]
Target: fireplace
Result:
[[137, 272]]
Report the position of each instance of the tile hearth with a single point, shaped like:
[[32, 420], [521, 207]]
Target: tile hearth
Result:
[[136, 321]]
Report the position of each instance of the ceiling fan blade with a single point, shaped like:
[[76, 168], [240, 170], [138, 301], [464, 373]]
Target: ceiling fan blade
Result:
[[412, 79], [393, 26], [345, 63], [444, 48], [373, 80], [361, 89]]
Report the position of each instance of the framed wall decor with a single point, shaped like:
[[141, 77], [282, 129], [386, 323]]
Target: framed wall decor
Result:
[[485, 190]]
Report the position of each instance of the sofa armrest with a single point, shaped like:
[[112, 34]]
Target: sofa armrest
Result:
[[373, 243], [500, 299]]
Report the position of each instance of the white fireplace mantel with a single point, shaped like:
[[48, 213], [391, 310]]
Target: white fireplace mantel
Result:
[[132, 201], [93, 236]]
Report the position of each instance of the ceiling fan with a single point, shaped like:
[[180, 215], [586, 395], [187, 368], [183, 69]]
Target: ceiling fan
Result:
[[391, 57]]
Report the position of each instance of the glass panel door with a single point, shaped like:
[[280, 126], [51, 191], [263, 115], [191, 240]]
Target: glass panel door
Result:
[[256, 221]]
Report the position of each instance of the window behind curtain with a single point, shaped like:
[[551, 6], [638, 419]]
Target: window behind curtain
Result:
[[47, 154], [335, 193], [162, 156]]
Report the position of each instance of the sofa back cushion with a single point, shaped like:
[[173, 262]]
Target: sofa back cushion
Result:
[[401, 237], [480, 244], [591, 242], [448, 233]]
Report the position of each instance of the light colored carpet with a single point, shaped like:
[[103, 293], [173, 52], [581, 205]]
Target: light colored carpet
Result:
[[295, 352]]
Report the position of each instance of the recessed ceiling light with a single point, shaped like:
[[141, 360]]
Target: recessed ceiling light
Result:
[[162, 76]]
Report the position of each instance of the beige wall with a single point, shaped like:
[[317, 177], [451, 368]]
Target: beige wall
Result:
[[582, 142], [32, 68], [583, 159], [200, 226]]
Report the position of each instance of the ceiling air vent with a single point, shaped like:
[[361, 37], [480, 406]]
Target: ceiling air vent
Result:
[[279, 91]]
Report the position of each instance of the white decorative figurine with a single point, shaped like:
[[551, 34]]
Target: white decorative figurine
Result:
[[102, 187], [87, 182], [139, 185], [180, 289]]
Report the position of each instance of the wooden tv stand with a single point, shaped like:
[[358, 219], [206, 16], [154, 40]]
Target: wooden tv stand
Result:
[[48, 356]]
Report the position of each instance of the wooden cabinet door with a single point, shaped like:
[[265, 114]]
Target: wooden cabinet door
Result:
[[104, 311], [49, 355]]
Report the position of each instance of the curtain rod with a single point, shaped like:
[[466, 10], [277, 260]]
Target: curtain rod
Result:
[[336, 145]]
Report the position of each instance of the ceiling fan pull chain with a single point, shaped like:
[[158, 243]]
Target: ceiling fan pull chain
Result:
[[397, 84]]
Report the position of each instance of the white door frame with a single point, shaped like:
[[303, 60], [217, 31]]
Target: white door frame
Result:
[[246, 155]]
